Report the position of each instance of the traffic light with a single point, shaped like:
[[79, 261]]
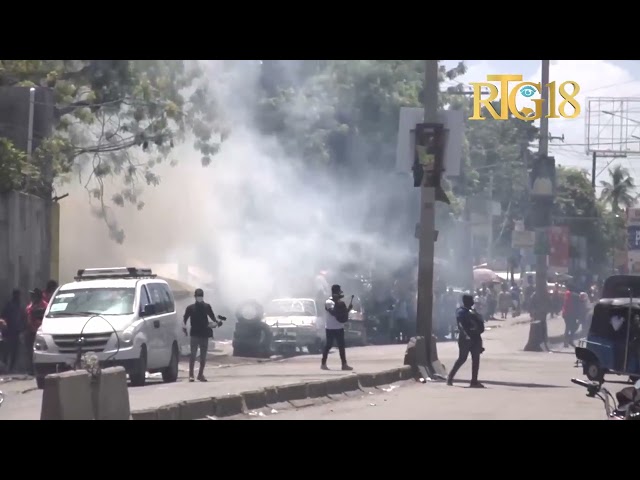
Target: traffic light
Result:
[[428, 161]]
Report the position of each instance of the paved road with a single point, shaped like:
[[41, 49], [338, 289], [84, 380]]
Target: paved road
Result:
[[22, 401], [520, 385]]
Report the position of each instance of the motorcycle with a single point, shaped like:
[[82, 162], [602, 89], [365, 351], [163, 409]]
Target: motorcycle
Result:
[[625, 405]]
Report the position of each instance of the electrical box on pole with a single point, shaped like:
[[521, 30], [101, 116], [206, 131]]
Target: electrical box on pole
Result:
[[542, 180]]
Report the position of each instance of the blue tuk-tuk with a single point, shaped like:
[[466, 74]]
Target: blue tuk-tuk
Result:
[[613, 343]]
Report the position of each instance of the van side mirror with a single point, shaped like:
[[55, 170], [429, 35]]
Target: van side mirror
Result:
[[148, 310]]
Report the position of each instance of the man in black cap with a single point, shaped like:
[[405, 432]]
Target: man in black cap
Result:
[[199, 312], [337, 315], [470, 328]]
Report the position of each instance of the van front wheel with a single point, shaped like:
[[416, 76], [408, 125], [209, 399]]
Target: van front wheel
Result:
[[138, 376], [170, 374]]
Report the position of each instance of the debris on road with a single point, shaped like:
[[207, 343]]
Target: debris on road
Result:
[[390, 388]]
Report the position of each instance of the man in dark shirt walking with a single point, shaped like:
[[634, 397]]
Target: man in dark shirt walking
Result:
[[470, 328], [199, 313]]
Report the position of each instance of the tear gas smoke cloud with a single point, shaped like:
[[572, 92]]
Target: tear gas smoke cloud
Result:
[[252, 219]]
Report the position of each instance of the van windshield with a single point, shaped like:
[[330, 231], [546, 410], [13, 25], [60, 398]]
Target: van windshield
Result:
[[93, 301], [289, 308]]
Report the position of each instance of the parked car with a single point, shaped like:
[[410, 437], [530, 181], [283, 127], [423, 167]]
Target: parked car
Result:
[[295, 323]]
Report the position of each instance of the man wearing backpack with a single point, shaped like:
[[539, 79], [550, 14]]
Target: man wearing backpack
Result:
[[337, 314], [470, 328]]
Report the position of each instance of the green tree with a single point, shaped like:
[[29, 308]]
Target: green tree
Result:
[[323, 111], [576, 206], [15, 171], [618, 193], [107, 110]]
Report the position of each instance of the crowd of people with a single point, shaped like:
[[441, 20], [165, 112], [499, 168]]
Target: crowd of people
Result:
[[496, 301], [568, 300], [19, 322]]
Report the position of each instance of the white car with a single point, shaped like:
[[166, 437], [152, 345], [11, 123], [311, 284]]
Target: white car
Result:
[[126, 316], [295, 323]]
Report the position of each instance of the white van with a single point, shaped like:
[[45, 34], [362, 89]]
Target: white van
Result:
[[125, 315]]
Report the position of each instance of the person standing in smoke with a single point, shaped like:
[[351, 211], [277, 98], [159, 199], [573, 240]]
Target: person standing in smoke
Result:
[[199, 313], [337, 315], [471, 328]]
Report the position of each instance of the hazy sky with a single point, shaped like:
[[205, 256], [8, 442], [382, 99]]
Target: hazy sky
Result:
[[597, 78]]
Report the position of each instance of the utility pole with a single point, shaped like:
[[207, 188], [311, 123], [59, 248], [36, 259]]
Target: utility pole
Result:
[[524, 152], [538, 326], [427, 225], [594, 163], [490, 211]]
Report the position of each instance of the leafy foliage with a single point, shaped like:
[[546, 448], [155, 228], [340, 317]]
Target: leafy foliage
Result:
[[108, 111], [618, 193], [340, 112], [17, 172], [576, 206]]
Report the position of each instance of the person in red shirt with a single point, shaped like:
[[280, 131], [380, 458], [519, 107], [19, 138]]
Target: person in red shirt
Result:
[[35, 315]]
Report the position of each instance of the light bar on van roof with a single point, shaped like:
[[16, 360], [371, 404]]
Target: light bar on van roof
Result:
[[115, 272]]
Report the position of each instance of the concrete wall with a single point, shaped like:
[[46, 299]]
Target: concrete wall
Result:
[[24, 241], [26, 223]]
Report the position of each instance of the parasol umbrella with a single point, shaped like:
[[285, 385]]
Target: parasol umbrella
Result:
[[485, 275]]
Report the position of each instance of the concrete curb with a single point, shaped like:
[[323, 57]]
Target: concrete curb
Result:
[[213, 357], [229, 405]]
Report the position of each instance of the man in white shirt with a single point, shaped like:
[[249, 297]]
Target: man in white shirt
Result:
[[337, 314]]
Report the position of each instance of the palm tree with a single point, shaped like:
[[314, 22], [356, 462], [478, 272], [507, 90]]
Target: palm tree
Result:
[[619, 192]]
